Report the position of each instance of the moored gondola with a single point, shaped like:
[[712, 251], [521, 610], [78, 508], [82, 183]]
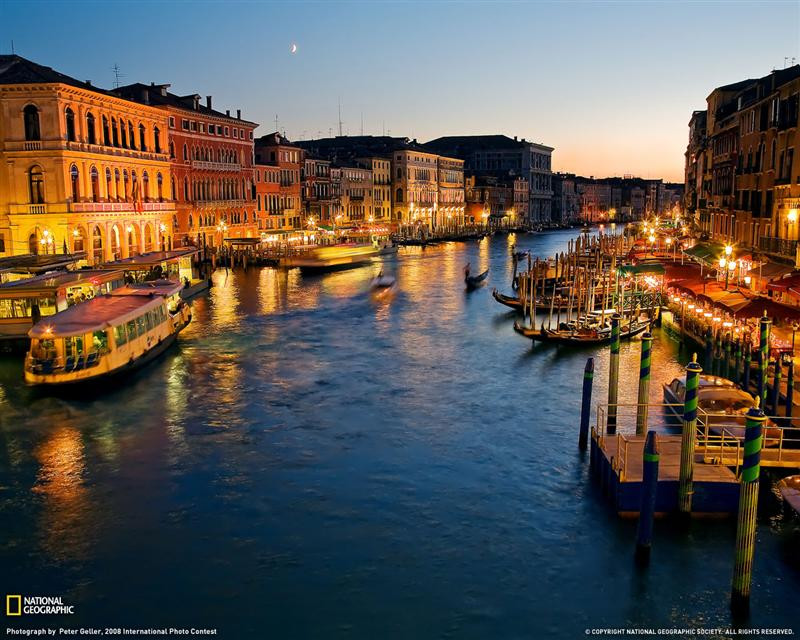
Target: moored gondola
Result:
[[474, 281], [584, 336], [509, 301]]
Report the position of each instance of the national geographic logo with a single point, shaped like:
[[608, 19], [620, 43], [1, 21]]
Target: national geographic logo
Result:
[[37, 606]]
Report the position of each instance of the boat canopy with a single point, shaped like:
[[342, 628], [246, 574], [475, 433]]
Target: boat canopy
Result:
[[157, 287], [56, 279], [642, 268], [96, 314]]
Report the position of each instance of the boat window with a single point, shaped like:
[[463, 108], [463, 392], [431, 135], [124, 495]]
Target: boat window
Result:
[[148, 321], [131, 329], [120, 335], [724, 405], [73, 346], [140, 325], [47, 305], [100, 341], [15, 308]]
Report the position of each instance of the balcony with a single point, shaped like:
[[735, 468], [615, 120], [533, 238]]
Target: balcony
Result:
[[84, 147], [204, 165], [778, 246], [118, 207]]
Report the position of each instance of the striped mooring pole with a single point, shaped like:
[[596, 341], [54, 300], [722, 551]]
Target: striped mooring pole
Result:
[[685, 488], [586, 403], [613, 375], [647, 509], [748, 354], [764, 345], [789, 388], [776, 387], [748, 508], [644, 385]]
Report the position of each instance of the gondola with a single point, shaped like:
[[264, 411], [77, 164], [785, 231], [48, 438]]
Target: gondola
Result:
[[474, 281], [509, 301], [520, 255], [582, 337]]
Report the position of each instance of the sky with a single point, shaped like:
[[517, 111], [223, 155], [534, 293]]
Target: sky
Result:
[[610, 85]]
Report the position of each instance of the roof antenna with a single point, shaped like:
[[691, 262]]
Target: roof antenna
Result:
[[340, 117], [362, 123], [12, 47], [117, 75], [276, 123]]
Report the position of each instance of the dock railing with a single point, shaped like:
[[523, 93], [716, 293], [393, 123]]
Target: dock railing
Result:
[[719, 438]]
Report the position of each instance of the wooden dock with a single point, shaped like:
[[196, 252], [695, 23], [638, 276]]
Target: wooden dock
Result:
[[616, 462]]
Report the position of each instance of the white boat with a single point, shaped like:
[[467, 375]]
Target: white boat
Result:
[[107, 336], [334, 258], [720, 402]]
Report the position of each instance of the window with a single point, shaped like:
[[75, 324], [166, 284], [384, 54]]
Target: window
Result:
[[120, 335], [36, 185], [185, 124], [70, 120], [30, 116], [160, 187], [193, 125], [133, 137], [106, 138], [186, 189], [131, 329], [142, 139], [141, 328], [114, 132], [145, 187], [108, 184], [235, 134], [157, 139], [95, 184], [97, 241], [100, 341], [2, 243], [399, 195], [77, 241], [227, 133], [91, 135], [73, 179]]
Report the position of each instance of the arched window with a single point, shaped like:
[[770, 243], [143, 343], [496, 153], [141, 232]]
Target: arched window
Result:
[[91, 134], [36, 185], [108, 184], [142, 138], [171, 150], [130, 135], [70, 118], [97, 243], [172, 193], [185, 188], [191, 221], [117, 185], [95, 184], [123, 134], [33, 244], [126, 190], [78, 241], [133, 248], [160, 187], [148, 238], [114, 132], [145, 187], [74, 177], [156, 140], [106, 133], [30, 116], [185, 153], [399, 195]]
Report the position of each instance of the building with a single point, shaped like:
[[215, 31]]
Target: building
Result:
[[499, 155], [84, 169], [356, 196], [742, 177], [316, 188], [450, 198], [381, 170], [274, 150], [268, 197], [415, 187], [566, 200], [489, 199], [211, 160]]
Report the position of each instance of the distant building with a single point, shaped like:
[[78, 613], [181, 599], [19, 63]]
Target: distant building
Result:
[[489, 200], [316, 189], [416, 187], [381, 171], [274, 150], [499, 155], [356, 196]]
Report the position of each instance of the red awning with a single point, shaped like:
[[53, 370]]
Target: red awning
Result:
[[775, 310], [784, 284]]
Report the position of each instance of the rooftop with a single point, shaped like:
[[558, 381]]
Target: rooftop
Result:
[[15, 69], [56, 279], [151, 258]]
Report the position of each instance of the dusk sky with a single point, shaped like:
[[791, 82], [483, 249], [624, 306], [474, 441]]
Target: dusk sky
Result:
[[610, 85]]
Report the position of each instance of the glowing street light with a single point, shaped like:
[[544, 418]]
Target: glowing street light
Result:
[[728, 249]]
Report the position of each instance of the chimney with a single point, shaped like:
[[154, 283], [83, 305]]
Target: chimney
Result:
[[89, 82], [238, 114], [208, 102], [515, 138], [152, 84], [196, 103]]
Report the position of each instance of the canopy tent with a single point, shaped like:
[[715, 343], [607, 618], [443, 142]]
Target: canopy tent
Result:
[[756, 307], [705, 251]]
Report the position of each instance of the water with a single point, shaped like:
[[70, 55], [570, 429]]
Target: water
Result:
[[310, 462]]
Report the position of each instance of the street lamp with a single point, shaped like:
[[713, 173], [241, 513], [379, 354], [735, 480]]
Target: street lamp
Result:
[[728, 250], [162, 228], [652, 243]]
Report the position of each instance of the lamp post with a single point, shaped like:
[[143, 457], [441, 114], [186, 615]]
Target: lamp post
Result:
[[162, 229]]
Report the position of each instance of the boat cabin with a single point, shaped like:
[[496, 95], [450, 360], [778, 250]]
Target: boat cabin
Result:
[[176, 265], [24, 302]]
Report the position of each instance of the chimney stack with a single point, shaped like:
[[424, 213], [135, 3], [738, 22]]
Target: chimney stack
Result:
[[89, 82], [228, 112], [238, 114], [208, 102]]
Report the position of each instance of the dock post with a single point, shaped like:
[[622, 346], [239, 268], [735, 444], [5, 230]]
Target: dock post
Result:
[[748, 508], [647, 509], [613, 375], [685, 488], [726, 365], [776, 386], [748, 351], [709, 362], [764, 362], [737, 361], [789, 389], [644, 385], [586, 403], [761, 383], [718, 354]]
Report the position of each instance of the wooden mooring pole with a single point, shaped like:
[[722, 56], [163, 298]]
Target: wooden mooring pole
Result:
[[748, 508], [764, 345], [686, 473], [586, 404]]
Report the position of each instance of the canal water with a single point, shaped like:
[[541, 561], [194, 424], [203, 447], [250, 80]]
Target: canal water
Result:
[[311, 462]]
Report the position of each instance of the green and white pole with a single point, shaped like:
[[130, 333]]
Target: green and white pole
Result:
[[748, 508], [764, 363], [685, 486], [644, 385], [613, 375]]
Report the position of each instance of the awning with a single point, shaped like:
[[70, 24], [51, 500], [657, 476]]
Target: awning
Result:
[[770, 271], [707, 251], [756, 307], [641, 268]]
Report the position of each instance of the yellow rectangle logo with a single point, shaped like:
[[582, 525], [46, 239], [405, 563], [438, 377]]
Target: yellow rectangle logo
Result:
[[10, 609]]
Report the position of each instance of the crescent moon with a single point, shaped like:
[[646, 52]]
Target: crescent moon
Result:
[[293, 48]]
